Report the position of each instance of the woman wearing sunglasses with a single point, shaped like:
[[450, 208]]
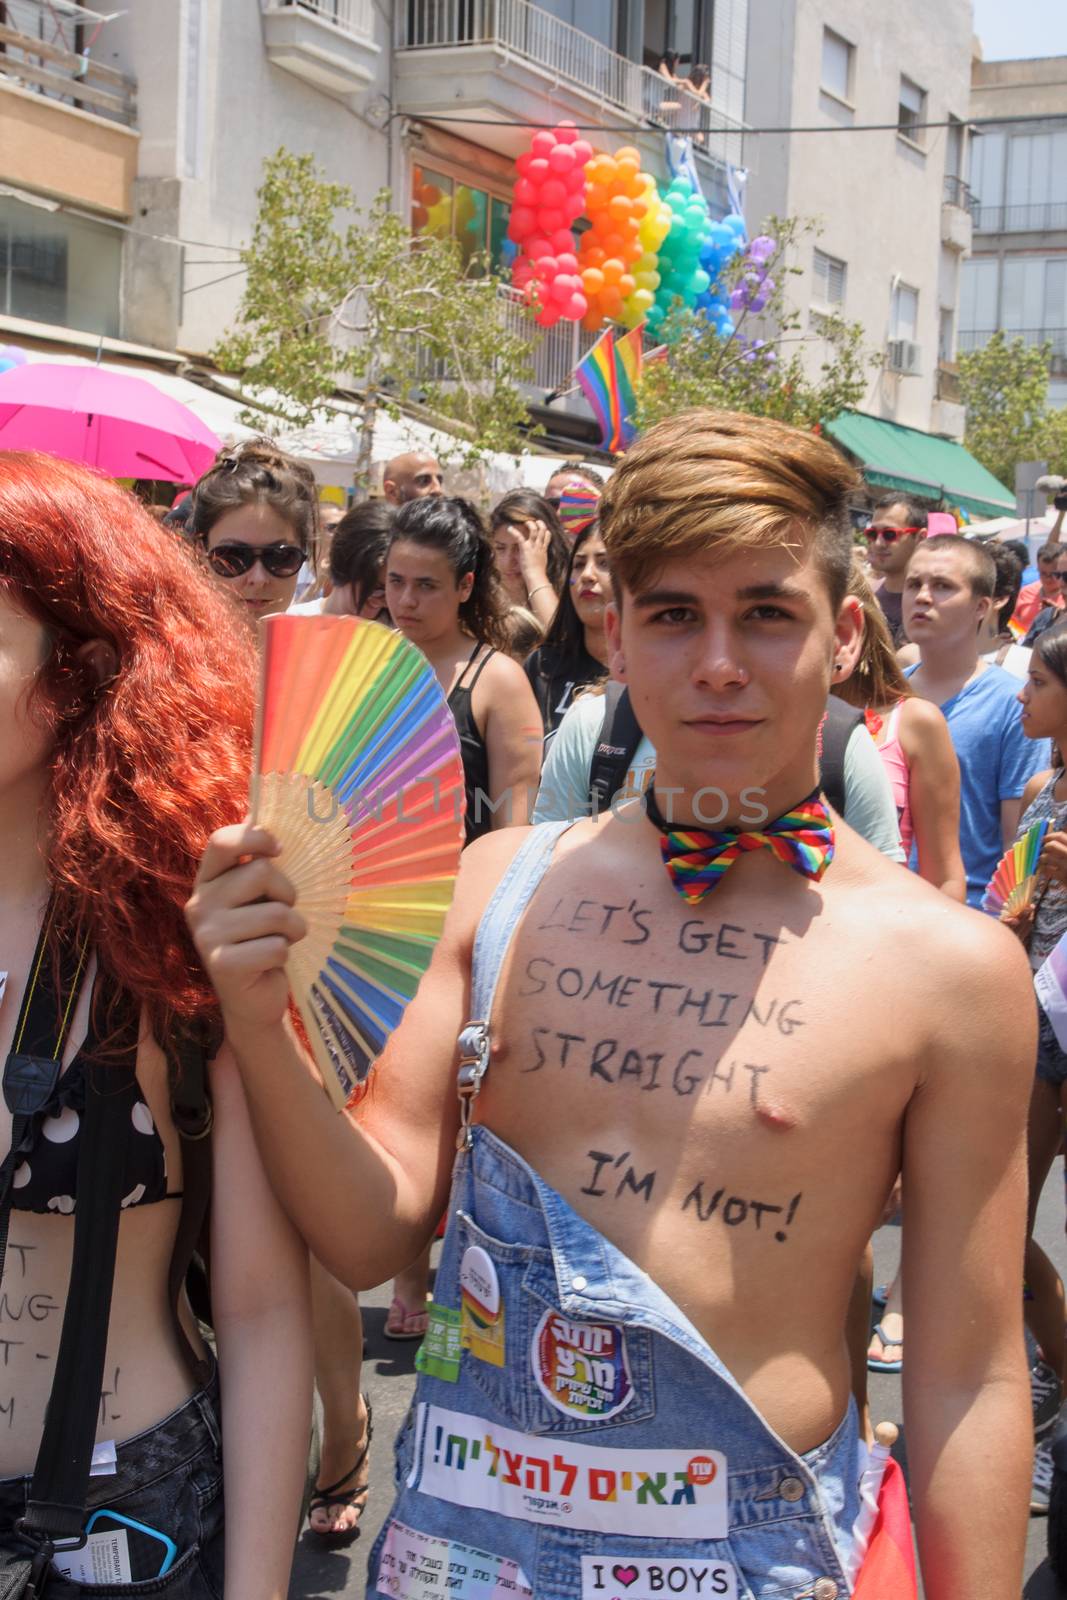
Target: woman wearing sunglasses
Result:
[[255, 516]]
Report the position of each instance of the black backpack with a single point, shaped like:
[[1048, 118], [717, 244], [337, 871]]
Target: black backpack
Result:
[[620, 735]]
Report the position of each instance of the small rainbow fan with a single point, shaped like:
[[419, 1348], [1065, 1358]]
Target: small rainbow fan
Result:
[[1011, 888], [358, 774]]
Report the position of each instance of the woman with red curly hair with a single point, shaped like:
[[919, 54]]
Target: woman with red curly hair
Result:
[[125, 725]]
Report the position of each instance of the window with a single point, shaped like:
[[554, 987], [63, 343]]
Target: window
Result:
[[904, 317], [1034, 296], [978, 299], [911, 110], [58, 268], [836, 78], [447, 207], [945, 330], [828, 275]]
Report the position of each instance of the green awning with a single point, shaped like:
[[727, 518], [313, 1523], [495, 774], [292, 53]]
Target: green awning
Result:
[[895, 457]]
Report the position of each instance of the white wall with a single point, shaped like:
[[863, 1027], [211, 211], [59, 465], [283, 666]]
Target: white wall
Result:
[[879, 199], [211, 108]]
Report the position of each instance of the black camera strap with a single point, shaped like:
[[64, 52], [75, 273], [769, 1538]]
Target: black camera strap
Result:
[[56, 1504]]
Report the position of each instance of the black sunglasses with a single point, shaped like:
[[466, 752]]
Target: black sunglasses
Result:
[[234, 560]]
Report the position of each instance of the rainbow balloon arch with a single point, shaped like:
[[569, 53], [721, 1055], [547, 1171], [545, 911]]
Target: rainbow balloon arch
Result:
[[644, 253]]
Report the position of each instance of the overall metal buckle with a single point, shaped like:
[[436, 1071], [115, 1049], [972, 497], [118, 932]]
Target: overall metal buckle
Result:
[[473, 1063]]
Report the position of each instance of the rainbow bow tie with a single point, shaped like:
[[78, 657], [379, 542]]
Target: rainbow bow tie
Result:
[[697, 858]]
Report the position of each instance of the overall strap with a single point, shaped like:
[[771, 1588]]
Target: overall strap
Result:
[[33, 1067], [499, 921]]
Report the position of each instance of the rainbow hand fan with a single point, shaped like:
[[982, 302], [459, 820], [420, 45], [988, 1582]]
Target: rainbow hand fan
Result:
[[357, 772], [1011, 888]]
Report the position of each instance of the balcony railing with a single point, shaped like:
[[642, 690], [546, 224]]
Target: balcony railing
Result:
[[570, 56], [557, 350], [958, 193], [355, 17], [1020, 219], [947, 383], [44, 47], [977, 338]]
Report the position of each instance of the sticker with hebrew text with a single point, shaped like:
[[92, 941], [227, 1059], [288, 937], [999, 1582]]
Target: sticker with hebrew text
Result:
[[418, 1564], [652, 1494], [581, 1367]]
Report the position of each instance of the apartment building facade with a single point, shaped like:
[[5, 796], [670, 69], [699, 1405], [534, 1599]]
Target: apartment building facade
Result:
[[131, 147], [1016, 278], [893, 204]]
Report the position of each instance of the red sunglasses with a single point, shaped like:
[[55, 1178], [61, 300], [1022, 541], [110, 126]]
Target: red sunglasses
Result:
[[890, 535]]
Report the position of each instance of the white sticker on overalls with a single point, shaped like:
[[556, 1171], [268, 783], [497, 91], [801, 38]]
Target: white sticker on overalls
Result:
[[650, 1494], [418, 1564], [103, 1558], [637, 1578]]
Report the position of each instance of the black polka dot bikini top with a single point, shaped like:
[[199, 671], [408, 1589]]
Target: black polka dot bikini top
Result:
[[48, 1103], [46, 1177]]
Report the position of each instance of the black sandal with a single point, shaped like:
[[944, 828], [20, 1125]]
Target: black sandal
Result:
[[356, 1497]]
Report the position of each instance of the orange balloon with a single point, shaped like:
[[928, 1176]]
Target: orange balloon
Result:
[[596, 197], [620, 208], [628, 153], [592, 319], [613, 270], [614, 243], [632, 253], [592, 281], [611, 301], [628, 168], [626, 285], [594, 256], [419, 218]]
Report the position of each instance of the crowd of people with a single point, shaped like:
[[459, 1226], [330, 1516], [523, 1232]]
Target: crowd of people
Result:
[[766, 764]]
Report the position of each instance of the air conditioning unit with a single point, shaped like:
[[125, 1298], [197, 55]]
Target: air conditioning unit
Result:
[[902, 355]]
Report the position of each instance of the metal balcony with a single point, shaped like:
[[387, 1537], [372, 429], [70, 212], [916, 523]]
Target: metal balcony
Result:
[[958, 193], [503, 61], [1051, 218], [328, 43], [977, 338]]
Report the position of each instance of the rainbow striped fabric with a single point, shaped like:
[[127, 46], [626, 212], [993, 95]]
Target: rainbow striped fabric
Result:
[[608, 377], [698, 858]]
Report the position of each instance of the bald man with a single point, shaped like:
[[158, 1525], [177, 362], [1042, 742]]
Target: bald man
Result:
[[411, 476]]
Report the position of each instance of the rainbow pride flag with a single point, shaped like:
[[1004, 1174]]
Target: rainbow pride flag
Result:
[[608, 377], [888, 1570]]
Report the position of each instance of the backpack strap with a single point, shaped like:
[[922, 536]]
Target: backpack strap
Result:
[[190, 1106], [620, 735], [839, 723]]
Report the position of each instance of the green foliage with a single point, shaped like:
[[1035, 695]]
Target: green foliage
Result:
[[760, 368], [328, 306], [1005, 389]]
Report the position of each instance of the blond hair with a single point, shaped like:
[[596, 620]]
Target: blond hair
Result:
[[876, 681], [707, 480]]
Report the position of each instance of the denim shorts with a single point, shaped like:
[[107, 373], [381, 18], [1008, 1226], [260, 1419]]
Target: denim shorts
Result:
[[170, 1479], [1051, 1060]]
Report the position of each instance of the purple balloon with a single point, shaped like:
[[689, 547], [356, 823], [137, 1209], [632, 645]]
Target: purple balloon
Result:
[[762, 248]]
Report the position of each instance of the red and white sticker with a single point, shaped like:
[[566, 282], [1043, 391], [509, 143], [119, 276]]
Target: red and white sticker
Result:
[[544, 1478], [581, 1368], [637, 1578]]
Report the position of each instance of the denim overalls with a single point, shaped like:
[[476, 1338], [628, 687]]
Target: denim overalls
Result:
[[572, 1436]]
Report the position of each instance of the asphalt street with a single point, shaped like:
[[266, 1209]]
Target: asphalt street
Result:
[[389, 1377]]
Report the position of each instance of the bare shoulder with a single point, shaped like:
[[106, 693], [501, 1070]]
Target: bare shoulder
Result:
[[481, 867], [501, 672], [921, 716]]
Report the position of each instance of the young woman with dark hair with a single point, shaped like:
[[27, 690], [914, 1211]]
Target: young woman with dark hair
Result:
[[530, 551], [255, 516], [443, 594], [574, 651], [357, 565], [126, 689]]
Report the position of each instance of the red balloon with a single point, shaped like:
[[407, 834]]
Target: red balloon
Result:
[[548, 316], [583, 151], [538, 247], [525, 193], [563, 242], [576, 308], [568, 262], [566, 133], [543, 142], [522, 163], [575, 180], [523, 221], [550, 220], [538, 170], [561, 159], [560, 290], [573, 207], [553, 192]]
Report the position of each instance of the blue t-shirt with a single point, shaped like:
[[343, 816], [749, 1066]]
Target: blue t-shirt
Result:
[[996, 762]]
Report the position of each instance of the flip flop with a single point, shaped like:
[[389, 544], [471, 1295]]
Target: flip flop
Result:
[[399, 1319], [876, 1365], [880, 1296], [334, 1495]]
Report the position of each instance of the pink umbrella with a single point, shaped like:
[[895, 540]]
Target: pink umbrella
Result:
[[120, 424]]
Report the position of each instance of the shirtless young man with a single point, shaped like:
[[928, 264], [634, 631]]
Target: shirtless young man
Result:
[[689, 1118]]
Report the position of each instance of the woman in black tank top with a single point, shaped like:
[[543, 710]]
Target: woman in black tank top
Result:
[[443, 594]]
